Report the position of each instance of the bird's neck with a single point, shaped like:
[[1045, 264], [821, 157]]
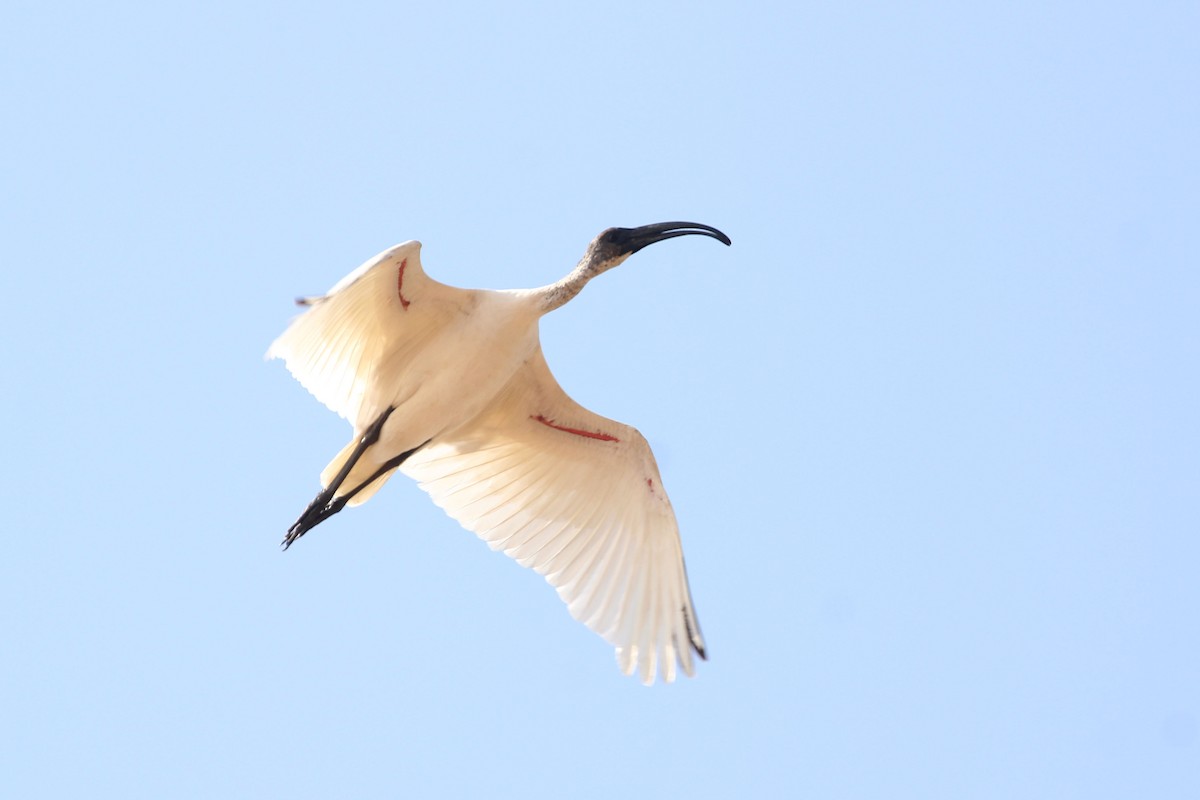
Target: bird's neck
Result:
[[562, 291]]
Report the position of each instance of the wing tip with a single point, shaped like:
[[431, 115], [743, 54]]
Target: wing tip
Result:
[[693, 632], [650, 666]]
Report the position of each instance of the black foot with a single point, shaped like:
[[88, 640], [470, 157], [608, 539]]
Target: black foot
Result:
[[317, 512]]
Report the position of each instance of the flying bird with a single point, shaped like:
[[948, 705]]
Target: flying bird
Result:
[[449, 386]]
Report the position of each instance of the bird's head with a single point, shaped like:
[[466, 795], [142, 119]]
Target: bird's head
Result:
[[615, 245]]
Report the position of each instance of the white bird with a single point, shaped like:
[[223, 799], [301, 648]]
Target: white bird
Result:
[[449, 385]]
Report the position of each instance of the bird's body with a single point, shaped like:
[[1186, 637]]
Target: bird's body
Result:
[[449, 385]]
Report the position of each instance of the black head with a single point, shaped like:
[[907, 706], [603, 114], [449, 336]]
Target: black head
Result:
[[620, 243], [612, 247]]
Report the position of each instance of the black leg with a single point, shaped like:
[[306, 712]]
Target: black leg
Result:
[[387, 467], [313, 517], [324, 506], [313, 514]]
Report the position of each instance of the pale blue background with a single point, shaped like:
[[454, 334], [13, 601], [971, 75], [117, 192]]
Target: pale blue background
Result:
[[930, 425]]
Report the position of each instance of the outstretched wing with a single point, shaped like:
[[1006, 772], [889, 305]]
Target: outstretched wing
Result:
[[369, 320], [578, 498]]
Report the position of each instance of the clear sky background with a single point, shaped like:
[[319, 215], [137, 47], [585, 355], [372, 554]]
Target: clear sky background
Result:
[[930, 425]]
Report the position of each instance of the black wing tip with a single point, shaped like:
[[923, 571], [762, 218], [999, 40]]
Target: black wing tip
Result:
[[693, 634]]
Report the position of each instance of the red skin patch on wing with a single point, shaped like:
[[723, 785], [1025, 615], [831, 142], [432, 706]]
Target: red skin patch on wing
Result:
[[604, 437], [400, 283]]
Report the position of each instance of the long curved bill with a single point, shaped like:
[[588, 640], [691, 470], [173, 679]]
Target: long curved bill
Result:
[[634, 239]]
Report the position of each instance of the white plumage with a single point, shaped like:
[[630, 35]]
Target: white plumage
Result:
[[449, 385]]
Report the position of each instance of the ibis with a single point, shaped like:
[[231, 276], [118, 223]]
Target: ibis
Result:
[[450, 387]]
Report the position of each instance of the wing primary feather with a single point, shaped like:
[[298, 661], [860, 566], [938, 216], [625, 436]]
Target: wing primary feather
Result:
[[670, 655], [580, 559], [494, 489], [521, 533], [550, 548], [550, 516], [583, 530], [580, 589], [648, 615], [629, 631], [495, 522], [556, 523], [501, 529], [689, 612], [468, 476], [618, 577], [527, 554], [535, 488]]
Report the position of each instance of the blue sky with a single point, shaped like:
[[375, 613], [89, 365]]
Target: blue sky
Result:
[[929, 425]]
